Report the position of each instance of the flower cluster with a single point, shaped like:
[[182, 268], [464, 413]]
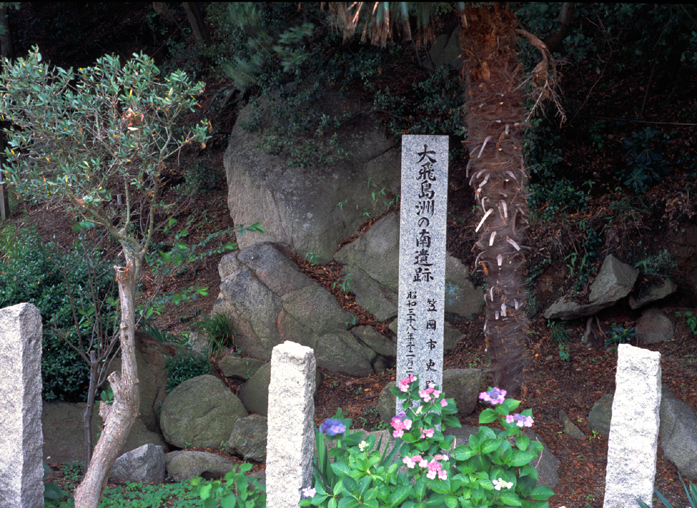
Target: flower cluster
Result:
[[520, 420], [429, 393], [495, 396], [434, 467], [332, 427], [404, 383], [501, 484], [308, 492], [400, 423]]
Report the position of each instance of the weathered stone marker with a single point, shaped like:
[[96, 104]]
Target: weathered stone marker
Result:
[[424, 204], [291, 433], [631, 456], [21, 434]]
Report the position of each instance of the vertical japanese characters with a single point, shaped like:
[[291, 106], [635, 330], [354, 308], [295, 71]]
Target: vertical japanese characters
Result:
[[422, 257]]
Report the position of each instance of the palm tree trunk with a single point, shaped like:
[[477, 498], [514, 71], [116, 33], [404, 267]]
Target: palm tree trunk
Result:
[[118, 418], [499, 179]]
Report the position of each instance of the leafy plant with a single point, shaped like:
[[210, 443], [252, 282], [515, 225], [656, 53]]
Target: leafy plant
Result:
[[619, 335], [219, 330], [184, 366], [344, 283], [492, 470], [564, 353], [659, 264], [311, 258], [558, 333], [691, 496], [235, 490], [646, 166], [690, 320]]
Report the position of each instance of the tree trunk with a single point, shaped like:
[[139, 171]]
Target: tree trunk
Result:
[[196, 22], [119, 417], [566, 14], [499, 180], [5, 34], [87, 415]]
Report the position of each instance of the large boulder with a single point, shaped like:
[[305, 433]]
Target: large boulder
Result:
[[614, 281], [652, 293], [298, 206], [248, 438], [185, 464], [679, 434], [654, 326], [254, 394], [373, 262], [145, 464], [270, 301], [200, 412], [238, 367], [601, 414], [64, 434]]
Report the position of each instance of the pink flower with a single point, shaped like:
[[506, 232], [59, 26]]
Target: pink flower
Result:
[[443, 403], [425, 394], [407, 424], [440, 457], [423, 463], [398, 433], [404, 383], [411, 462], [494, 396], [443, 474], [520, 420], [426, 433]]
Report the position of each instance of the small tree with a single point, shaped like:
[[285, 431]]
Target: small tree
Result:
[[87, 143]]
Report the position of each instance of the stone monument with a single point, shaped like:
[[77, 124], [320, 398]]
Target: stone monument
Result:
[[21, 434], [422, 226], [631, 455], [291, 432]]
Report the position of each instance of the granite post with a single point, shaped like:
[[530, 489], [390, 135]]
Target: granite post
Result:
[[631, 456], [21, 434], [422, 225], [291, 432]]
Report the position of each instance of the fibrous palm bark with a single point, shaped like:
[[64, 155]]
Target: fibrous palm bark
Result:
[[497, 174]]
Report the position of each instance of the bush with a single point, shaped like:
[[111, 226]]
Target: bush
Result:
[[185, 366], [32, 273]]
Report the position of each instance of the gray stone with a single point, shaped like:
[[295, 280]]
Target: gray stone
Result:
[[21, 438], [679, 434], [371, 295], [459, 384], [236, 366], [422, 230], [291, 430], [248, 438], [198, 342], [376, 341], [64, 435], [547, 466], [461, 297], [342, 352], [316, 308], [145, 464], [614, 281], [654, 326], [653, 293], [298, 206], [254, 394], [570, 429], [185, 464], [631, 456], [200, 411], [600, 415]]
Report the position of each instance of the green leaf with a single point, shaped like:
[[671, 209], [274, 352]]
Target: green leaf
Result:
[[229, 501], [522, 441], [541, 492], [510, 498], [490, 445], [399, 495], [205, 491], [488, 416], [522, 458]]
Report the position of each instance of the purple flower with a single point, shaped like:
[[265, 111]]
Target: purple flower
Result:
[[520, 420], [332, 427], [494, 396], [308, 492]]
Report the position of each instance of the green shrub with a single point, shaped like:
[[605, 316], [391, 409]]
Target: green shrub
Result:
[[219, 330], [31, 273], [185, 366]]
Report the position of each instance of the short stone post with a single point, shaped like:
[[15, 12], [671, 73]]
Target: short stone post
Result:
[[21, 434], [631, 456], [291, 433]]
